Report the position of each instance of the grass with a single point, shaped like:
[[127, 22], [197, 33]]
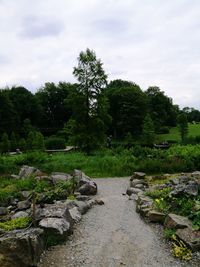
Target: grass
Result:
[[174, 135]]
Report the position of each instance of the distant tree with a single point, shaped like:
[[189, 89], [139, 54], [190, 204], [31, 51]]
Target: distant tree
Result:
[[193, 115], [13, 142], [183, 125], [5, 143], [22, 144], [87, 126], [127, 107], [148, 131], [27, 126], [38, 141], [161, 108]]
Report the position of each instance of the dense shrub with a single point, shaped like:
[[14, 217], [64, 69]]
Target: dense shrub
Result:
[[55, 143]]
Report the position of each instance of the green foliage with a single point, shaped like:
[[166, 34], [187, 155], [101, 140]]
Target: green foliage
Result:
[[17, 223], [183, 125], [148, 132], [54, 142], [169, 233], [5, 143]]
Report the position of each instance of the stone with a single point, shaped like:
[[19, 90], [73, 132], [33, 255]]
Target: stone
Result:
[[21, 247], [20, 214], [184, 179], [83, 206], [83, 198], [81, 177], [59, 176], [191, 188], [135, 182], [190, 237], [155, 216], [196, 174], [55, 226], [26, 194], [23, 205], [3, 211], [140, 186], [75, 214], [89, 188], [133, 190], [177, 221], [178, 190], [27, 171], [14, 176], [174, 181], [99, 202], [138, 175]]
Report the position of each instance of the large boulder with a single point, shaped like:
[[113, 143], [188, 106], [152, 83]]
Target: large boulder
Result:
[[177, 221], [190, 237], [133, 190], [20, 214], [135, 182], [21, 248], [155, 216], [75, 214], [60, 176], [23, 205], [55, 226], [89, 188], [27, 171]]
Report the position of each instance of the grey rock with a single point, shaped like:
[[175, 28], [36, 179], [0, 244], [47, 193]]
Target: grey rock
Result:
[[89, 188], [57, 226], [174, 181], [155, 216], [138, 175], [191, 188], [99, 201], [81, 177], [3, 211], [14, 176], [133, 190], [140, 186], [59, 176], [190, 237], [26, 194], [20, 214], [135, 182], [75, 214], [83, 206], [23, 205], [21, 248], [83, 198], [184, 179], [27, 171], [177, 221]]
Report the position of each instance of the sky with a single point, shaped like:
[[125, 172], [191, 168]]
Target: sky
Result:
[[149, 42]]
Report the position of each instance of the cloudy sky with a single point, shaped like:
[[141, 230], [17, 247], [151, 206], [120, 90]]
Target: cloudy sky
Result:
[[149, 42]]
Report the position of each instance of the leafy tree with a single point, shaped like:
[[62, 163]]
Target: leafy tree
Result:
[[128, 105], [27, 126], [5, 143], [148, 131], [13, 142], [87, 126], [161, 108], [183, 125]]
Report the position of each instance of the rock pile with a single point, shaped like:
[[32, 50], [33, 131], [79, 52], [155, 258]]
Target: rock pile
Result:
[[183, 185], [50, 221]]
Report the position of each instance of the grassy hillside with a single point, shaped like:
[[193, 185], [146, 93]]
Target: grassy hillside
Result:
[[194, 130]]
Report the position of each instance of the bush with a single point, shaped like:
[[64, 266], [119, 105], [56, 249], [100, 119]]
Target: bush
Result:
[[55, 143], [163, 130]]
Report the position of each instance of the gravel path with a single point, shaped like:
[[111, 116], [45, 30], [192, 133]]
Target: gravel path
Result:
[[112, 235]]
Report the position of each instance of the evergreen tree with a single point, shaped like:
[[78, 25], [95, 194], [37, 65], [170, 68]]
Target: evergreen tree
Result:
[[182, 125], [5, 143], [87, 126], [148, 131], [13, 142]]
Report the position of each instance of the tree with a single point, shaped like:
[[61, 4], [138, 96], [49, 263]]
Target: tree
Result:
[[87, 126], [5, 143], [148, 131], [127, 107], [183, 125]]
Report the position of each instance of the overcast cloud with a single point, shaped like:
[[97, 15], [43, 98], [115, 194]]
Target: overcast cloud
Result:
[[149, 42]]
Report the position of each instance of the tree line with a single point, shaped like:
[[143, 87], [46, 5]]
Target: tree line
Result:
[[84, 113]]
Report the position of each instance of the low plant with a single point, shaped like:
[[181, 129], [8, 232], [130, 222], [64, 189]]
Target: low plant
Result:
[[17, 223], [180, 250], [169, 233]]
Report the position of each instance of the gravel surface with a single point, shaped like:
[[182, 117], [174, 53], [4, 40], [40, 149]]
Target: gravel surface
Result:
[[113, 235]]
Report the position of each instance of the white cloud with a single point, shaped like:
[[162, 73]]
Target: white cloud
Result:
[[150, 42]]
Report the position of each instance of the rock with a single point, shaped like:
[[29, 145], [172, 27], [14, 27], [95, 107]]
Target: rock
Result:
[[135, 182], [55, 226], [140, 186], [196, 174], [178, 190], [14, 176], [174, 181], [83, 207], [89, 188], [99, 202], [190, 237], [81, 177], [75, 214], [21, 248], [23, 205], [132, 190], [26, 194], [27, 171], [191, 188], [155, 216], [20, 214], [177, 221], [138, 175], [59, 176], [3, 211], [184, 179], [83, 198]]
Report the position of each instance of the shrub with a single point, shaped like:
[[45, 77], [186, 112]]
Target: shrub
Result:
[[163, 130], [55, 143]]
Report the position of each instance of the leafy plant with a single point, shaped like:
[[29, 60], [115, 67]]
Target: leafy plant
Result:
[[17, 223]]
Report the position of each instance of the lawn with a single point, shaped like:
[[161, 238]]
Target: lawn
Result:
[[193, 131]]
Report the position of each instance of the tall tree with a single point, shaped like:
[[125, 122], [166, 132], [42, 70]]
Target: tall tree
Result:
[[183, 125], [87, 125], [148, 131], [128, 105]]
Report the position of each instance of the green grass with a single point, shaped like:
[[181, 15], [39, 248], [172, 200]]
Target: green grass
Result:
[[174, 135]]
